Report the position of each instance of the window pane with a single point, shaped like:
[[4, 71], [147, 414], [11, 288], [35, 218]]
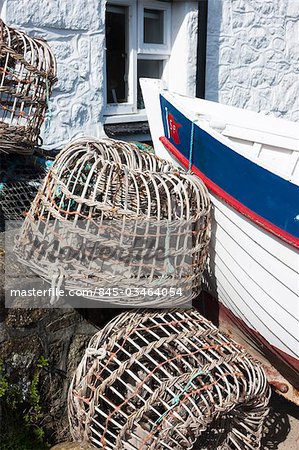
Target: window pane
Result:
[[153, 26], [116, 54], [147, 68]]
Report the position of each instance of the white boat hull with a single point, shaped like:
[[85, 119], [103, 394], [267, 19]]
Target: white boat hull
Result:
[[256, 277], [251, 272]]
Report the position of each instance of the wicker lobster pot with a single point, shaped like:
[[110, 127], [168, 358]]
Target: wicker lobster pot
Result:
[[27, 71], [160, 380], [119, 152], [118, 226]]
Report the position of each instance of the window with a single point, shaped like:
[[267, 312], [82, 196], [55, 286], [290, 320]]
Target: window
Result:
[[147, 68], [117, 54], [153, 26], [137, 45]]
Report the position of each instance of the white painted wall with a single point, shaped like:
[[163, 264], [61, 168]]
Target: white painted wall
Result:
[[182, 61], [253, 55]]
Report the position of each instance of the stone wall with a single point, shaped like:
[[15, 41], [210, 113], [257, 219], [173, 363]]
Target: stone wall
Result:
[[75, 32], [253, 55], [61, 336]]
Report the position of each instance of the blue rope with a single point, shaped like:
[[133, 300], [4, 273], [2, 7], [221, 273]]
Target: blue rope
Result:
[[44, 163], [191, 146], [176, 400]]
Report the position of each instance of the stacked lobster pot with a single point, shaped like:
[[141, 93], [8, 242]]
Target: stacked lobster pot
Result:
[[163, 380], [27, 73], [109, 216], [27, 70], [119, 224]]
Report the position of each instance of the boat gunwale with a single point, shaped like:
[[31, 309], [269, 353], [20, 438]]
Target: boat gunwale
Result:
[[237, 205], [199, 120], [257, 119]]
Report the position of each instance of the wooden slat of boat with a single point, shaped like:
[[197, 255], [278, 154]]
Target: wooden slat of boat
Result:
[[288, 309], [270, 271], [241, 296], [283, 378], [231, 115], [249, 297], [251, 135], [284, 253], [256, 314]]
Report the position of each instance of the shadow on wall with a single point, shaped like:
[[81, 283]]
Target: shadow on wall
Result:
[[183, 48], [213, 37]]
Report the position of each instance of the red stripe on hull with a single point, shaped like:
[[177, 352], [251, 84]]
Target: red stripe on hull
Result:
[[260, 221]]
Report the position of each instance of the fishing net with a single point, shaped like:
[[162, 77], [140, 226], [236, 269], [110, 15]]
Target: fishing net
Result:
[[110, 216], [20, 178], [27, 72], [163, 380]]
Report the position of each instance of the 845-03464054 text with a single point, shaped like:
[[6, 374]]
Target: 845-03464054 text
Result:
[[103, 292]]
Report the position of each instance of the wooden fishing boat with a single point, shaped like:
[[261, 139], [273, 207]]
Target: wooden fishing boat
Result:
[[250, 164]]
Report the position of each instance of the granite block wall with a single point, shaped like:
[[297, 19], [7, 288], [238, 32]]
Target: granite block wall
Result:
[[253, 55]]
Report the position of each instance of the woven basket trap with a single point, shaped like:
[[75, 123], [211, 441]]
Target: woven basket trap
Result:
[[27, 72], [130, 219], [162, 380]]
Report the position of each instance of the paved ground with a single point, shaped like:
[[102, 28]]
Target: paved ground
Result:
[[283, 424]]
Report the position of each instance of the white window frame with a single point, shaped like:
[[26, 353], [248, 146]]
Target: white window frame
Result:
[[164, 59], [162, 49], [138, 50], [129, 106]]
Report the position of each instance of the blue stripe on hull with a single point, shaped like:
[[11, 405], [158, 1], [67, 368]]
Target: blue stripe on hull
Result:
[[268, 195]]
